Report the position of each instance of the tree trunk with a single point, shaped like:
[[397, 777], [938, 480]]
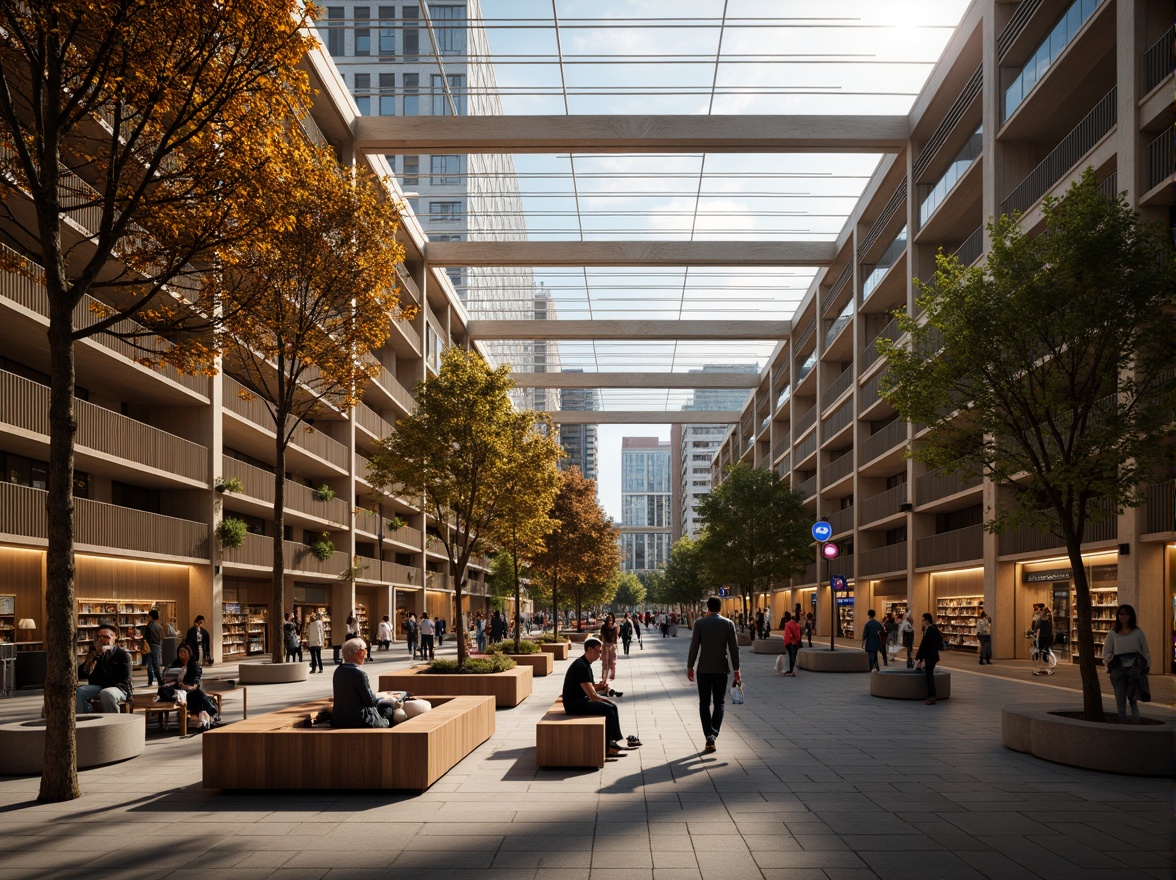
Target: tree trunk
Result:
[[458, 629], [277, 636], [59, 779], [1092, 707], [518, 604]]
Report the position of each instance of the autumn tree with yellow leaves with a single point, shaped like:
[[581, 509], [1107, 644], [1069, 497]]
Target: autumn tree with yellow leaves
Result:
[[135, 136], [311, 297]]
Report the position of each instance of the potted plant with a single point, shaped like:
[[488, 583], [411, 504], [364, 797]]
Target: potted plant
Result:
[[324, 548], [228, 484], [324, 493], [396, 524], [231, 532]]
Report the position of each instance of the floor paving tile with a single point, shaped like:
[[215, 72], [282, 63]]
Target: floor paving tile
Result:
[[813, 780]]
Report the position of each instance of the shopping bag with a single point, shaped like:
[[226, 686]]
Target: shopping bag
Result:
[[737, 695], [779, 663]]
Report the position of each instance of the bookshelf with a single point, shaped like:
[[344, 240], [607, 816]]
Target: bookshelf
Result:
[[129, 615], [1104, 601], [956, 618], [304, 612], [361, 621], [243, 629], [7, 618]]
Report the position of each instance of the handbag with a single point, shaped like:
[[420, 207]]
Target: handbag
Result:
[[737, 695], [779, 663], [1144, 687]]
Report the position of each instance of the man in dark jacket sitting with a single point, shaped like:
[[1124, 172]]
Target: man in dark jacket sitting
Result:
[[107, 670], [355, 704]]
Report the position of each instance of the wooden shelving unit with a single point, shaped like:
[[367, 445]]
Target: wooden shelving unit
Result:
[[129, 615], [243, 629], [7, 618], [956, 618], [1103, 602]]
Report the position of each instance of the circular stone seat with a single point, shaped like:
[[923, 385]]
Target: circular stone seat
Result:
[[743, 640], [909, 684], [770, 645], [101, 738], [272, 673], [842, 660], [1136, 749]]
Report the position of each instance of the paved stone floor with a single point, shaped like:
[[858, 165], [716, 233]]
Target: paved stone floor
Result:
[[813, 779]]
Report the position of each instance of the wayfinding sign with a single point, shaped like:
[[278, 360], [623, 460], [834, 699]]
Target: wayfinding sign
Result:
[[822, 531]]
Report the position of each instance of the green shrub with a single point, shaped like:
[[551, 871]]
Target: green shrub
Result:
[[395, 524], [324, 493], [323, 549], [508, 647], [231, 532], [551, 640], [478, 666]]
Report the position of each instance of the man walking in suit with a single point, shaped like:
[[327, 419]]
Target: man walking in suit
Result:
[[713, 640]]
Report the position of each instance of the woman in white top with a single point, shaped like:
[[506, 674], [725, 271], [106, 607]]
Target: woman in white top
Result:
[[1127, 657]]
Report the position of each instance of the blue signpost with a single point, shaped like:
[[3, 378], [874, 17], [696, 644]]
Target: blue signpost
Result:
[[830, 551]]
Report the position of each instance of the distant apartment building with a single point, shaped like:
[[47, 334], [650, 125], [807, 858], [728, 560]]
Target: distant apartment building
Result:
[[647, 491], [408, 59], [579, 442], [697, 445]]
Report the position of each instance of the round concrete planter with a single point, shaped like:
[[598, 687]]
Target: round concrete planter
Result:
[[272, 673], [102, 739], [842, 660], [1134, 749], [909, 684], [577, 637], [743, 640], [770, 645]]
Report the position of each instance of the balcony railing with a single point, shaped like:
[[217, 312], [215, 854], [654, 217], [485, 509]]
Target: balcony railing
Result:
[[1064, 156], [883, 504], [883, 440], [897, 201], [839, 323], [25, 405], [306, 438], [395, 573], [890, 331], [259, 484], [933, 486], [371, 421], [837, 387], [961, 545], [951, 119], [96, 524], [806, 447], [889, 257], [969, 252], [837, 469], [1157, 61], [1159, 160], [892, 557], [259, 550], [964, 159], [1047, 53], [841, 418], [1026, 539], [808, 487], [406, 535], [807, 420], [395, 390], [1161, 507], [841, 521], [29, 292]]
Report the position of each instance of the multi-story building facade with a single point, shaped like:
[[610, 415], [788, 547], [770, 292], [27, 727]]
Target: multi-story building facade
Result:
[[1025, 97], [579, 442], [647, 493], [696, 445], [414, 59], [154, 447]]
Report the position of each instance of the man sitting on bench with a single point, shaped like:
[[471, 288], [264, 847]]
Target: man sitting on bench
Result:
[[580, 698], [355, 704], [107, 669]]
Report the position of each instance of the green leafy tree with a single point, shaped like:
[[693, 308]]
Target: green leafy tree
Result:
[[1050, 370], [756, 531], [153, 126], [630, 591], [501, 579], [459, 451], [685, 583]]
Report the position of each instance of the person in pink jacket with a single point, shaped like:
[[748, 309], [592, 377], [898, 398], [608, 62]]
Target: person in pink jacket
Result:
[[791, 641]]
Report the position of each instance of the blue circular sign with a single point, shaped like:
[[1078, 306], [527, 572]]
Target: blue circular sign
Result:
[[822, 531]]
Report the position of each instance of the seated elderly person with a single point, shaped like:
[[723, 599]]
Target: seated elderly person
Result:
[[107, 671], [355, 704]]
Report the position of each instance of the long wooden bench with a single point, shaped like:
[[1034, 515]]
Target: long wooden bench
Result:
[[563, 740], [285, 750]]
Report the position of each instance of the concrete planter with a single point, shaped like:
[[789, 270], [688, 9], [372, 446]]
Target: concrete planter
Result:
[[558, 650], [101, 738], [842, 660], [577, 637], [743, 639], [770, 645], [909, 684], [1138, 750], [508, 688], [272, 673], [542, 664]]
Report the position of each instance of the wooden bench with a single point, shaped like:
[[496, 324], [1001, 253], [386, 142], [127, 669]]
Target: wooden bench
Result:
[[285, 750], [563, 740], [216, 689]]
